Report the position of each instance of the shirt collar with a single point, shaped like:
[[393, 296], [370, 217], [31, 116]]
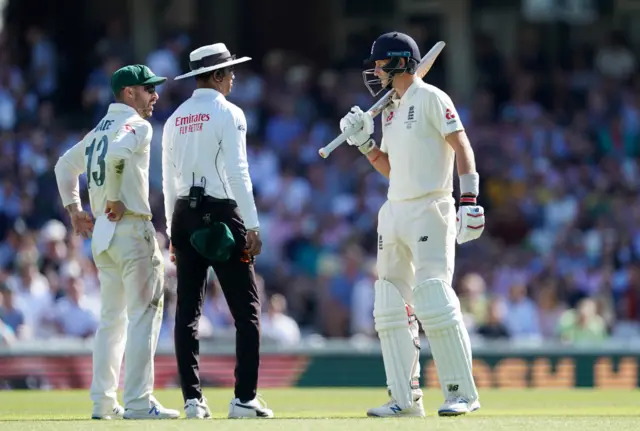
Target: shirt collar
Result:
[[411, 90], [207, 92], [121, 107]]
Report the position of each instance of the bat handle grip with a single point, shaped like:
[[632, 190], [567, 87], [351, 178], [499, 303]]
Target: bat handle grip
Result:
[[328, 149]]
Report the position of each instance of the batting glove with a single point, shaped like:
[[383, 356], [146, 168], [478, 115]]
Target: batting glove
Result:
[[362, 124], [469, 220]]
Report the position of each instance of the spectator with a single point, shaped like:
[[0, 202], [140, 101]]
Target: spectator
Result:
[[521, 317], [550, 311], [277, 325], [494, 328], [615, 59], [11, 317], [337, 306], [582, 325], [44, 63], [473, 300], [166, 60], [97, 95], [7, 337], [32, 295], [363, 296], [115, 41], [75, 315]]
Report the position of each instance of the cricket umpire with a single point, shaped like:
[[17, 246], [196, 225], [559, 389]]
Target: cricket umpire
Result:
[[212, 221]]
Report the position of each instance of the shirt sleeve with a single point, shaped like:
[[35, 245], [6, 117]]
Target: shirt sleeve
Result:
[[129, 139], [442, 113], [169, 188], [67, 170], [234, 150]]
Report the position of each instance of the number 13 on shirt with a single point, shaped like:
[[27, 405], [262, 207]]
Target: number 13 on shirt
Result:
[[96, 167]]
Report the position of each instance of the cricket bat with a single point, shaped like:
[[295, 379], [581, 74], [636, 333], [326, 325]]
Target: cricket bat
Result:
[[424, 67]]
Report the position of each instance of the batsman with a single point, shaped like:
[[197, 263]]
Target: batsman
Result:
[[418, 227]]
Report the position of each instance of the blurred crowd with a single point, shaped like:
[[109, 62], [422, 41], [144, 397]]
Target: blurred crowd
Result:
[[556, 144]]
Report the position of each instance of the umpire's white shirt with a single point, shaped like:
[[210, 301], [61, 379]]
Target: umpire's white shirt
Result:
[[206, 138], [413, 135]]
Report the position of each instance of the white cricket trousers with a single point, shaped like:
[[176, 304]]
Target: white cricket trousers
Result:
[[131, 274], [416, 242]]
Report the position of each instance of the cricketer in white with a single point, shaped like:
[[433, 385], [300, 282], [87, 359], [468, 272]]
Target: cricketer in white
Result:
[[418, 228], [115, 157]]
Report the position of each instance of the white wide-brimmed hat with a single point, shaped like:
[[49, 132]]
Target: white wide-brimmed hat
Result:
[[210, 57]]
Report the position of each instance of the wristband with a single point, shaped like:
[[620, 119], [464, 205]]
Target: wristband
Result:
[[468, 201], [367, 146], [470, 184]]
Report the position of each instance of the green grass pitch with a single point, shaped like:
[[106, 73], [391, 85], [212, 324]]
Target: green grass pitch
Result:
[[337, 409]]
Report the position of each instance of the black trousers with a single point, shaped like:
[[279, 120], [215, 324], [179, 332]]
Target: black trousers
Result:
[[237, 279]]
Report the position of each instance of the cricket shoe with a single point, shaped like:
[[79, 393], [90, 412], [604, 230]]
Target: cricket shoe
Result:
[[457, 406], [392, 409], [197, 409], [256, 408], [116, 413], [157, 411]]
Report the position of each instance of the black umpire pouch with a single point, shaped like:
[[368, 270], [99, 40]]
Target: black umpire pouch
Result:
[[196, 194]]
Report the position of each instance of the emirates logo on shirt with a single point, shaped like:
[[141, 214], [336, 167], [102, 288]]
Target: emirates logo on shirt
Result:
[[192, 122]]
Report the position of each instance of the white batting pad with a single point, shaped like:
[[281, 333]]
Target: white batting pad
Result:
[[438, 309], [399, 343]]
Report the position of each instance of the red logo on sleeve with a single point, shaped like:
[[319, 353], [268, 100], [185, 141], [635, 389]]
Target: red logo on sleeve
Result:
[[449, 115], [128, 128], [389, 118]]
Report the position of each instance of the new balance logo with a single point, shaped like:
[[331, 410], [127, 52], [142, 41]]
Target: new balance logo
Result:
[[379, 242], [395, 409], [423, 239], [154, 410], [259, 412], [411, 113]]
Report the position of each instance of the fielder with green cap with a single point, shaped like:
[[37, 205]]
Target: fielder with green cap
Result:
[[115, 157]]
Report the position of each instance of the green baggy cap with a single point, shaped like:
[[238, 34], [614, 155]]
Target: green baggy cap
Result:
[[135, 74], [214, 242]]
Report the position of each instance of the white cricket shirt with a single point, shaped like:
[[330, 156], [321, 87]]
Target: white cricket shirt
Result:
[[121, 134], [413, 135], [205, 138]]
